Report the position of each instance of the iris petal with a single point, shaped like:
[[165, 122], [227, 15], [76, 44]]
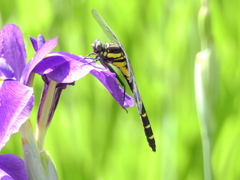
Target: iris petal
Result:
[[37, 44], [12, 167], [34, 43], [67, 68], [108, 79], [62, 69], [13, 48], [16, 102]]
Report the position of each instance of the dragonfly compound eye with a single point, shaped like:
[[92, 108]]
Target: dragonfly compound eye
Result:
[[97, 46]]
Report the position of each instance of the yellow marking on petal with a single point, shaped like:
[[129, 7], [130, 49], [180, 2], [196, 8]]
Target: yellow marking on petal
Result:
[[1, 80], [151, 137], [148, 126], [144, 115]]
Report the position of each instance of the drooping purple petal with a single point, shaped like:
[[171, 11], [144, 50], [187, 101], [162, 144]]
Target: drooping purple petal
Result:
[[67, 68], [6, 72], [37, 44], [12, 167], [108, 79], [13, 48], [16, 102], [40, 54]]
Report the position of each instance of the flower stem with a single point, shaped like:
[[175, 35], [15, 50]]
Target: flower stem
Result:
[[45, 111], [32, 159]]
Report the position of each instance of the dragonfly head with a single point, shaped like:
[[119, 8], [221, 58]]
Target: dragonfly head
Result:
[[97, 46]]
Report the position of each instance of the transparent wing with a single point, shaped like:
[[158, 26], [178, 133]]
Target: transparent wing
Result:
[[137, 96], [106, 29], [110, 34], [135, 91]]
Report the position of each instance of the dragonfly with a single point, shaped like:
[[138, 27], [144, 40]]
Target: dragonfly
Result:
[[113, 53]]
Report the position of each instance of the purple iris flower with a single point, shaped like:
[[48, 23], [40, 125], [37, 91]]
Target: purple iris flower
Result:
[[62, 69], [16, 99], [57, 69]]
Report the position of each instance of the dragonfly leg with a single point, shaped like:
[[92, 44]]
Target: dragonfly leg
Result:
[[93, 53]]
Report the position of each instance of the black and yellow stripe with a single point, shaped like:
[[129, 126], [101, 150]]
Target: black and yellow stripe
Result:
[[113, 53]]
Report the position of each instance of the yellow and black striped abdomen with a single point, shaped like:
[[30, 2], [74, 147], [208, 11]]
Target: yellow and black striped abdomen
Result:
[[143, 115], [148, 129], [114, 54]]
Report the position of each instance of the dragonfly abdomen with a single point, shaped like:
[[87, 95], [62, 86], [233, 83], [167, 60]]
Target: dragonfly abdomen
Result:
[[112, 53], [147, 129]]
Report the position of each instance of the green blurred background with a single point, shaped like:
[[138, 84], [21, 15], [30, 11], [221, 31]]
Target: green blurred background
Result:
[[91, 137]]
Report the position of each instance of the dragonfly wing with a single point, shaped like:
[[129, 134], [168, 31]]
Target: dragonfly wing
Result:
[[134, 88], [106, 29], [110, 34]]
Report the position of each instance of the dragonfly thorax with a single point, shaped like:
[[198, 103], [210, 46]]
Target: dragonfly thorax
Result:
[[109, 52]]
